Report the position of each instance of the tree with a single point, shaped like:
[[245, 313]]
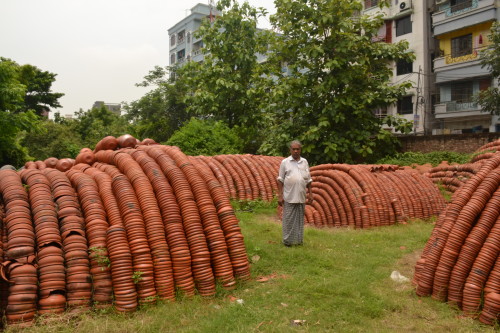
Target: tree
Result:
[[336, 75], [162, 111], [489, 99], [37, 88], [229, 84], [206, 137], [55, 139], [12, 122], [95, 124], [39, 96]]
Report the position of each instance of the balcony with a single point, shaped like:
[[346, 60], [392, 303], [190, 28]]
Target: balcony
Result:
[[463, 15], [454, 109], [448, 68], [448, 62]]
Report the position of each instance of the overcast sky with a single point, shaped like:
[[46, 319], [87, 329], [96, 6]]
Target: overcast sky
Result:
[[98, 48]]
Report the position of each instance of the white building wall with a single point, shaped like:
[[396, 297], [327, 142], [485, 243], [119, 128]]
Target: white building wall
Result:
[[417, 44]]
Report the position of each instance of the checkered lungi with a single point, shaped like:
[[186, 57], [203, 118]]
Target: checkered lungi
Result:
[[293, 223]]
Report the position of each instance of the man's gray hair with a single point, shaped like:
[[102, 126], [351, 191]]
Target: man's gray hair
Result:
[[295, 142]]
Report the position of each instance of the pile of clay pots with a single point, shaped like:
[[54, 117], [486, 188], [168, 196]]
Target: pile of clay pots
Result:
[[124, 224], [486, 151], [363, 196], [243, 177], [459, 264], [452, 177]]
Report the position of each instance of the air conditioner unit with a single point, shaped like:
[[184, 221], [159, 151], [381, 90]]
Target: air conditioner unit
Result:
[[440, 2], [404, 5]]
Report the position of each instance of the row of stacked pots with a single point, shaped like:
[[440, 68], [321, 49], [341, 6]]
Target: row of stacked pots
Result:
[[363, 196], [452, 177], [344, 196], [459, 264], [129, 226], [243, 177], [486, 151]]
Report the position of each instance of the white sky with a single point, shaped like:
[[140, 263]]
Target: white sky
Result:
[[99, 49]]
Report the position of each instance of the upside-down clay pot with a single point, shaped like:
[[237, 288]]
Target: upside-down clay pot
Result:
[[127, 141]]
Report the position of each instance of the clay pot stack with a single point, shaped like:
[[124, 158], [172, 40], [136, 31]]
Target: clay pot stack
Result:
[[243, 177], [363, 196], [460, 263], [22, 299], [50, 260], [96, 225], [75, 250], [452, 177], [486, 151], [4, 287], [17, 267], [131, 220]]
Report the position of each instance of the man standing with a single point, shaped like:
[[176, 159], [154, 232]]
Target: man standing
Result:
[[293, 179]]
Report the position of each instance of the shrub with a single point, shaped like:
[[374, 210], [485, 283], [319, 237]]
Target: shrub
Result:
[[206, 137], [433, 158]]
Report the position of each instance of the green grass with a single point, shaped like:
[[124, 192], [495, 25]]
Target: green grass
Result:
[[338, 281]]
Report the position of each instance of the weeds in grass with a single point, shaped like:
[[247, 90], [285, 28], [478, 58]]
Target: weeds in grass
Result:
[[137, 277], [99, 254]]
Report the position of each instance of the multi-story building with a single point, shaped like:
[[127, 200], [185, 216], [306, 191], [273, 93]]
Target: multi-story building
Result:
[[113, 107], [184, 46], [462, 28], [445, 36], [409, 20]]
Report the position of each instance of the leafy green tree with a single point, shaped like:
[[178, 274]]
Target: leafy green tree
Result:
[[489, 99], [11, 122], [39, 96], [162, 111], [11, 90], [206, 137], [335, 76], [93, 125], [229, 84], [55, 139], [37, 88]]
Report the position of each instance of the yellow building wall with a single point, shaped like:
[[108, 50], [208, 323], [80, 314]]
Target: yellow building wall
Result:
[[483, 30]]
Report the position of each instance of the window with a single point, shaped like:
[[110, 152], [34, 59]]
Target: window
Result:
[[403, 26], [370, 3], [180, 36], [403, 67], [380, 113], [181, 55], [462, 92], [172, 40], [405, 105], [461, 46], [172, 58], [457, 5]]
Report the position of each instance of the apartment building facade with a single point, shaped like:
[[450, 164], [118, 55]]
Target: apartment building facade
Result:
[[462, 28], [183, 45], [446, 37], [409, 20]]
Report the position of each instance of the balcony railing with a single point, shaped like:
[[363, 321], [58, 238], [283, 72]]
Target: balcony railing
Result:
[[197, 52], [461, 8], [460, 106], [468, 57]]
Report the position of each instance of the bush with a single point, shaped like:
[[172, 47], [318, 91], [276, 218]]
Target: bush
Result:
[[206, 137], [433, 158]]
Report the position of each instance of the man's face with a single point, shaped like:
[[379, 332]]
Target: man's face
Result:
[[295, 150]]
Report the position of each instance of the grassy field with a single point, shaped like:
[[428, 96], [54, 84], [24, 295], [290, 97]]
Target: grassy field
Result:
[[338, 281]]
